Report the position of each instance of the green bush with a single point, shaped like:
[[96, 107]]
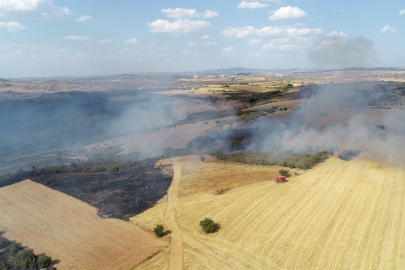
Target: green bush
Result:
[[202, 158], [285, 173], [207, 225], [44, 261], [158, 230], [14, 248], [4, 242], [113, 169]]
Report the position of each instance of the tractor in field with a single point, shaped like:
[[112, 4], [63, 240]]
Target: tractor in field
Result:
[[280, 179]]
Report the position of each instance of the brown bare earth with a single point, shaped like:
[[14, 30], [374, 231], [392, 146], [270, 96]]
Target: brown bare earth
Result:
[[70, 231], [339, 215]]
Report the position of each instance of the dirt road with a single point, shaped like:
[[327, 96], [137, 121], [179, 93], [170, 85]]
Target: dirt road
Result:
[[176, 246]]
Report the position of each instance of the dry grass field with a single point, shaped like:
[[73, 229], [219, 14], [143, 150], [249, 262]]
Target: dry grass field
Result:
[[70, 231], [339, 215]]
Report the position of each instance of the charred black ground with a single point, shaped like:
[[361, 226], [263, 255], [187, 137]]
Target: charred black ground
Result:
[[133, 189]]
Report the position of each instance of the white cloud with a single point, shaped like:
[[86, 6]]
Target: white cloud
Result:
[[336, 34], [269, 31], [78, 38], [187, 51], [12, 26], [401, 12], [208, 43], [131, 41], [191, 43], [288, 12], [387, 29], [181, 13], [252, 5], [279, 47], [206, 37], [104, 40], [228, 49], [166, 48], [84, 18], [255, 55], [288, 44], [124, 49], [254, 41], [180, 26], [31, 8]]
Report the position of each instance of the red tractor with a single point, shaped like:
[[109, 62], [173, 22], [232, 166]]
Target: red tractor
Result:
[[280, 179]]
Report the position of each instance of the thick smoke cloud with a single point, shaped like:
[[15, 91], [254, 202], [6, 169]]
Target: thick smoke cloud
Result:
[[341, 52], [331, 121]]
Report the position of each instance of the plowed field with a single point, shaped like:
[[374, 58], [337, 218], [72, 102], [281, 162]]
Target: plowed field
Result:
[[70, 231], [339, 215]]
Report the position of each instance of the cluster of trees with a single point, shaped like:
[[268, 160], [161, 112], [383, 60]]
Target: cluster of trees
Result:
[[298, 161], [207, 225], [251, 97], [20, 258]]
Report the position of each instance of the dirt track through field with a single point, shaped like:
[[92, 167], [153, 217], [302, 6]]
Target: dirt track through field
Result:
[[176, 245]]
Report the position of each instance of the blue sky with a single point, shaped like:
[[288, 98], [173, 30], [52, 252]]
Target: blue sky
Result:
[[41, 38]]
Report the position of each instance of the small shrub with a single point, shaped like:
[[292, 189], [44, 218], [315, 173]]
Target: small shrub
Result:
[[113, 169], [207, 225], [14, 248], [44, 261], [285, 173], [158, 230], [202, 158], [285, 108]]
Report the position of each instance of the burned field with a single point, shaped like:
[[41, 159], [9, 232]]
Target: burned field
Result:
[[130, 191]]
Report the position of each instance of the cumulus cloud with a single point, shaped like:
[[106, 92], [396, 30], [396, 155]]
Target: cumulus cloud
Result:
[[387, 29], [401, 12], [228, 49], [288, 12], [252, 5], [180, 26], [12, 26], [104, 40], [336, 34], [208, 43], [279, 47], [78, 38], [269, 31], [187, 51], [206, 37], [287, 44], [131, 41], [181, 13], [31, 8], [337, 52], [254, 41], [84, 18]]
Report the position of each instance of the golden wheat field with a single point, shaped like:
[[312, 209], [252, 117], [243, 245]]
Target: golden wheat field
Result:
[[339, 215], [70, 231]]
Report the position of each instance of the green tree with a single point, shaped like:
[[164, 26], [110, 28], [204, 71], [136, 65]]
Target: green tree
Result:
[[202, 158], [158, 230], [207, 225], [44, 261], [113, 169], [285, 173]]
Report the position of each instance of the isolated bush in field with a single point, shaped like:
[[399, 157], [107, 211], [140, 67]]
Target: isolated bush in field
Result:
[[207, 225], [285, 108], [44, 261], [285, 173], [113, 169], [202, 158], [158, 230]]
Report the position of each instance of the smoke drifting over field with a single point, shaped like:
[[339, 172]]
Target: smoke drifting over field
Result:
[[341, 52], [329, 121], [64, 122]]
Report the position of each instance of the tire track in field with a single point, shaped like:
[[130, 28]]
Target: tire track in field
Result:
[[176, 241]]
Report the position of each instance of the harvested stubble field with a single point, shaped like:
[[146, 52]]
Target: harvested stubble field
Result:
[[339, 215], [70, 231]]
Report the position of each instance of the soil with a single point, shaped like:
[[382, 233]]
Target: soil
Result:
[[130, 192]]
